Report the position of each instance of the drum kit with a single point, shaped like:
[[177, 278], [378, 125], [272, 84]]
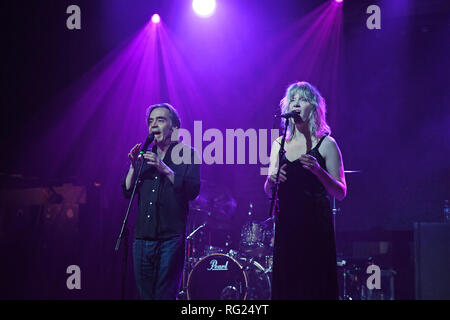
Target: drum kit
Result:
[[214, 268]]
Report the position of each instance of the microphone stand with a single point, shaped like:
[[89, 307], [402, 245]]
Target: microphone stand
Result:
[[124, 232], [274, 203]]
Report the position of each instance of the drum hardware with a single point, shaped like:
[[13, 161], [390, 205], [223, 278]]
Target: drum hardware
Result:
[[335, 209], [268, 263], [214, 205], [188, 259], [212, 249], [257, 238], [189, 237], [247, 270], [233, 253], [351, 283], [251, 265], [349, 277], [211, 213], [221, 276], [234, 274], [229, 293]]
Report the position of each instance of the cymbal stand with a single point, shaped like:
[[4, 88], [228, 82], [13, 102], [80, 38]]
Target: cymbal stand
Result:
[[335, 210], [182, 295], [345, 271]]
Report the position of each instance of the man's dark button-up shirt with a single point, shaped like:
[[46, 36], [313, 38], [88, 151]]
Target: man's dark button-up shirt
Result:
[[163, 206]]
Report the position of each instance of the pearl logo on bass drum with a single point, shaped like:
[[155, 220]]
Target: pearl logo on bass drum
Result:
[[217, 267]]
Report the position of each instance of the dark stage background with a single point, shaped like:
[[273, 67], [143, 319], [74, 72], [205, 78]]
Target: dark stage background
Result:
[[73, 102]]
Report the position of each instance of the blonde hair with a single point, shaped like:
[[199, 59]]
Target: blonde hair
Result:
[[318, 125]]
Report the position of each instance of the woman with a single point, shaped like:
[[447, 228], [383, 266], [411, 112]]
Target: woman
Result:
[[311, 171]]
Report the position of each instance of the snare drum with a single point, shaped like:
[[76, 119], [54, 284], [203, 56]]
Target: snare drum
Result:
[[221, 277]]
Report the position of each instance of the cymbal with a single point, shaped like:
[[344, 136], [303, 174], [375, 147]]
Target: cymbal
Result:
[[215, 204], [352, 171]]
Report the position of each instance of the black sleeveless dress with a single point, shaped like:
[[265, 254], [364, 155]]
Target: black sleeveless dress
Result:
[[304, 265]]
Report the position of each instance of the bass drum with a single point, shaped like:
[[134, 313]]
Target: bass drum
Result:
[[223, 277]]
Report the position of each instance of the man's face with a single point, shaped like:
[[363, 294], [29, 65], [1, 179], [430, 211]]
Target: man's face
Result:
[[160, 125]]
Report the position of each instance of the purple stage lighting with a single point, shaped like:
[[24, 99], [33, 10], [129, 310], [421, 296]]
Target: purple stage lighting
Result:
[[156, 18], [204, 8], [339, 1]]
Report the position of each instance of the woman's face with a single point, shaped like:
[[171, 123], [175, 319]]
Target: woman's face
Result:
[[298, 103]]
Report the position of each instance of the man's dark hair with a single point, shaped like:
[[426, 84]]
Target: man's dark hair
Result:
[[173, 114]]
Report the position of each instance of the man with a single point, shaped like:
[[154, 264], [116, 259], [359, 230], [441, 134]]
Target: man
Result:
[[164, 191]]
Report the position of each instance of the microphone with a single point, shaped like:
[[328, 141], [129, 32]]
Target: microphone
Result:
[[292, 114], [149, 140]]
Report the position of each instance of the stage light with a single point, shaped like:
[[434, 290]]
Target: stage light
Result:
[[339, 1], [204, 8], [156, 18]]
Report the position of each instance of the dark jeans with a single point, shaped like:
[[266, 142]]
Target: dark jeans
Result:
[[158, 267]]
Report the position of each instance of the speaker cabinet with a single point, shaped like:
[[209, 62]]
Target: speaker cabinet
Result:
[[432, 261]]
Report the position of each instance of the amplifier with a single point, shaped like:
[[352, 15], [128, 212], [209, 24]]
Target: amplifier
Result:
[[432, 260]]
